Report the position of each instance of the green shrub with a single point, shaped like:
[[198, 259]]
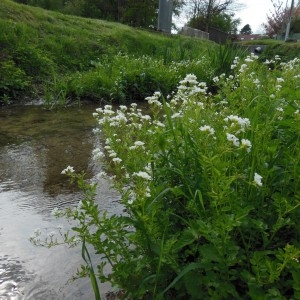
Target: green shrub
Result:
[[210, 189], [13, 81]]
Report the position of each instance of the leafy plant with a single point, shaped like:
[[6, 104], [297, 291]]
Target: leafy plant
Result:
[[210, 188]]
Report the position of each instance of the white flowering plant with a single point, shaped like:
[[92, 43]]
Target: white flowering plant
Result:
[[210, 184]]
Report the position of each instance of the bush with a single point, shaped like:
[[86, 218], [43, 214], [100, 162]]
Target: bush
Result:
[[13, 81], [210, 186]]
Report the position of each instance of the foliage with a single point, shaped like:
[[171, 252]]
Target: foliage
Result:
[[13, 81], [141, 13], [246, 29], [128, 79], [277, 21], [210, 189], [51, 49], [222, 57], [211, 13]]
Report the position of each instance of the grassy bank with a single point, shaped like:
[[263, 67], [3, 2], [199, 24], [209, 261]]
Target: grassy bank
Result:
[[286, 50], [43, 54]]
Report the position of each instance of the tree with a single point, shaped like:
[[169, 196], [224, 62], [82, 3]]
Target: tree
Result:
[[277, 20], [208, 13], [246, 29]]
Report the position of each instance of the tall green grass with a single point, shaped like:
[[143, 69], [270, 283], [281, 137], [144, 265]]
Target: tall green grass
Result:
[[40, 43]]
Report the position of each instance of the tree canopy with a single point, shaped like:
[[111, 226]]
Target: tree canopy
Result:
[[205, 14], [278, 18], [246, 29]]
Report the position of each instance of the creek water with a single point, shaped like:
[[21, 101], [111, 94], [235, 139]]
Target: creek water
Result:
[[36, 144]]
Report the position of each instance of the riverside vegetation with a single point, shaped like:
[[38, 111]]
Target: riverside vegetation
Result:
[[212, 204], [59, 58]]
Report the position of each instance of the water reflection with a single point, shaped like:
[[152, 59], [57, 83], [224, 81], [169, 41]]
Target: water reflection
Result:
[[35, 146]]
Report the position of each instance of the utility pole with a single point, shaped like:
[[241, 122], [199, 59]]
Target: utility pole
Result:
[[165, 16], [287, 32]]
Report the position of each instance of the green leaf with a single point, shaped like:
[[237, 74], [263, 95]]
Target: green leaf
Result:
[[187, 269]]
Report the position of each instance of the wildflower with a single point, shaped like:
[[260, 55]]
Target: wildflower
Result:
[[216, 79], [117, 160], [139, 143], [67, 170], [257, 179], [246, 144], [280, 80], [243, 68], [112, 153], [176, 115], [143, 175], [232, 138], [207, 128]]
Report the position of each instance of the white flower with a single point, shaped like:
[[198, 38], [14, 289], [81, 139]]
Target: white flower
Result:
[[257, 179], [246, 144], [176, 115], [117, 160], [68, 169], [207, 128], [139, 143], [232, 138], [143, 175]]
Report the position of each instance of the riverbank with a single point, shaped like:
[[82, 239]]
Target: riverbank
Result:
[[42, 51]]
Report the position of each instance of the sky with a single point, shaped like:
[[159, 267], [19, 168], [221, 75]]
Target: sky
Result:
[[254, 13]]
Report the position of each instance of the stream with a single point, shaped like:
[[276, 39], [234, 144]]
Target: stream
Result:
[[36, 144]]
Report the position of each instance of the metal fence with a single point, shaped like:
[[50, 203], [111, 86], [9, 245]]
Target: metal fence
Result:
[[194, 32]]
